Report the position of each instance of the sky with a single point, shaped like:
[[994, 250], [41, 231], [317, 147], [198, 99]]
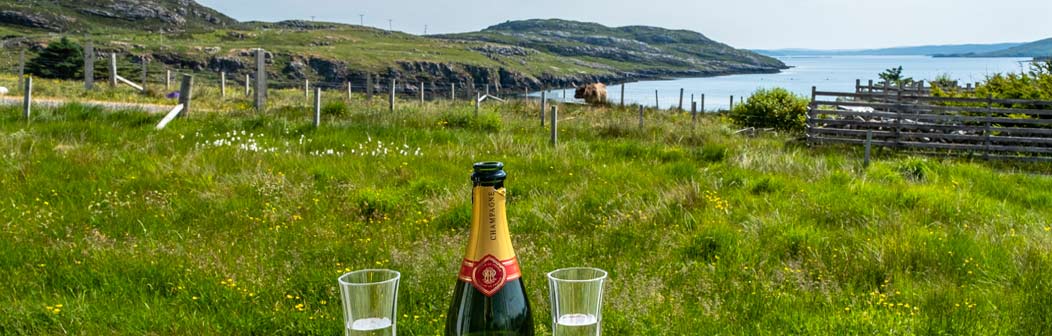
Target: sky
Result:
[[752, 24]]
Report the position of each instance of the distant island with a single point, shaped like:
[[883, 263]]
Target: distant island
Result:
[[1042, 48], [519, 54], [1038, 49]]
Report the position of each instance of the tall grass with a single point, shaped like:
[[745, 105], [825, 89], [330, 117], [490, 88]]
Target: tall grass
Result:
[[229, 222]]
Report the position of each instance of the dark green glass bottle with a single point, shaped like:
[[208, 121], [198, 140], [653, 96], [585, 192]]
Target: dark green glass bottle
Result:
[[490, 297]]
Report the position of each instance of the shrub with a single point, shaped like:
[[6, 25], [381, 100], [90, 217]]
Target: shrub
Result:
[[775, 108], [60, 60], [489, 122], [334, 109]]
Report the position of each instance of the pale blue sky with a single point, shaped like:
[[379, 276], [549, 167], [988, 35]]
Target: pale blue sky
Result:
[[756, 24]]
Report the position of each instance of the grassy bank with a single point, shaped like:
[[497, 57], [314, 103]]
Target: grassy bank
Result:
[[232, 223]]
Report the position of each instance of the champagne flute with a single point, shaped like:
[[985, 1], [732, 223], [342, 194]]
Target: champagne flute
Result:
[[577, 301], [370, 302]]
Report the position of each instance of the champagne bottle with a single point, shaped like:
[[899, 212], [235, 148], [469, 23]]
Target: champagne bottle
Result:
[[490, 297]]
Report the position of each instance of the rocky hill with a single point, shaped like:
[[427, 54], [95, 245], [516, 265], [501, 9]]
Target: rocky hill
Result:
[[648, 50], [181, 34], [82, 16], [1042, 48]]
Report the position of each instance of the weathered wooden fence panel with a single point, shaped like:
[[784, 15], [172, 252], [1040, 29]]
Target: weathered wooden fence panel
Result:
[[899, 118]]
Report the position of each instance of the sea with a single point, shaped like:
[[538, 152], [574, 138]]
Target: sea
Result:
[[827, 73]]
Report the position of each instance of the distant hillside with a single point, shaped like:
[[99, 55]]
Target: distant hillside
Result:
[[930, 50], [82, 16], [1042, 48], [646, 49], [182, 34]]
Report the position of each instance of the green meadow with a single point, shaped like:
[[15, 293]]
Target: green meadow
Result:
[[230, 222]]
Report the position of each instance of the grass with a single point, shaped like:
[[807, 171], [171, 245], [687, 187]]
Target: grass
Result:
[[234, 223]]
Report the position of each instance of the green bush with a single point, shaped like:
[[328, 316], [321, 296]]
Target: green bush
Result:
[[489, 122], [335, 109], [775, 108], [60, 60]]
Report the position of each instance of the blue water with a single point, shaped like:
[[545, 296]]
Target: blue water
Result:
[[837, 73]]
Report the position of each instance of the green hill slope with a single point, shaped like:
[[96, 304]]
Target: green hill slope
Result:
[[1042, 48], [183, 35], [649, 50], [83, 16]]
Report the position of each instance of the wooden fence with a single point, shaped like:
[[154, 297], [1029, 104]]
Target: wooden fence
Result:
[[988, 128], [915, 88]]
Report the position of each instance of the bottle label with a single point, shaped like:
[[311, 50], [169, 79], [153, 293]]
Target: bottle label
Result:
[[490, 260]]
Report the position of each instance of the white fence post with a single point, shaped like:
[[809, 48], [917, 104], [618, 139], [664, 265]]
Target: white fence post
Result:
[[27, 103], [261, 81], [317, 107], [89, 65], [186, 91], [113, 70], [555, 125]]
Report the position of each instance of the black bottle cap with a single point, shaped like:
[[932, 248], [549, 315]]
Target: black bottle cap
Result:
[[489, 174]]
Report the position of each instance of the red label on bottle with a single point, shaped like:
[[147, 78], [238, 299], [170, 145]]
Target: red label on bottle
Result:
[[489, 275]]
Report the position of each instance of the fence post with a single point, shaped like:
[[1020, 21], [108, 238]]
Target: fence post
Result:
[[28, 98], [640, 116], [693, 113], [986, 126], [622, 95], [869, 145], [145, 72], [702, 109], [186, 91], [248, 81], [391, 99], [680, 108], [21, 69], [732, 104], [306, 88], [564, 95], [421, 92], [350, 91], [544, 104], [452, 92], [555, 125], [487, 89], [870, 87], [89, 65], [887, 93], [812, 113], [369, 86], [222, 84], [858, 86], [167, 79], [898, 117], [261, 80], [317, 107], [657, 101], [113, 70]]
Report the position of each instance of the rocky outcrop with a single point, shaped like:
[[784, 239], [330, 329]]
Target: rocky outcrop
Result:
[[137, 15], [35, 20]]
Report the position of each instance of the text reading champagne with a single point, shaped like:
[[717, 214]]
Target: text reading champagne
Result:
[[490, 297]]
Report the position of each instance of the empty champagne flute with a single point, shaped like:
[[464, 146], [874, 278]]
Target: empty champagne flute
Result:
[[370, 302], [577, 301]]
